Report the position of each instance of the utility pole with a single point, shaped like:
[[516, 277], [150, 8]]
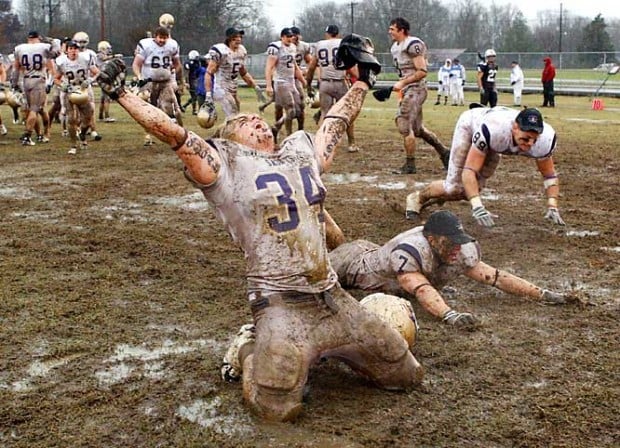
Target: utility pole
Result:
[[50, 9], [102, 22], [560, 39], [352, 17]]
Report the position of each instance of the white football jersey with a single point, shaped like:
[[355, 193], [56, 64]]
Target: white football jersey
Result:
[[285, 68], [33, 58], [157, 57], [229, 63], [73, 71], [492, 132], [325, 52], [404, 52]]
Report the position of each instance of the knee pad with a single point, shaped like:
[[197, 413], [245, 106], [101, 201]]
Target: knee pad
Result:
[[278, 366], [273, 381]]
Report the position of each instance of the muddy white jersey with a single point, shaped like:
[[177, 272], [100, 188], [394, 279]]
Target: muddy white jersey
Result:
[[88, 56], [272, 206], [492, 132], [157, 57], [408, 252], [325, 53], [404, 52], [33, 58], [229, 63], [285, 67], [73, 71], [302, 50]]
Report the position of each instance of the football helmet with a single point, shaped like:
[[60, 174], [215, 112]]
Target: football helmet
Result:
[[207, 115], [313, 101], [104, 47], [15, 98], [192, 55], [78, 96], [144, 95], [82, 39], [166, 20], [490, 53], [395, 311]]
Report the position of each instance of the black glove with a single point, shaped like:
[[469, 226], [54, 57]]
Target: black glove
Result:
[[141, 83], [382, 94], [440, 82], [368, 73], [48, 88], [111, 77], [513, 83], [463, 82]]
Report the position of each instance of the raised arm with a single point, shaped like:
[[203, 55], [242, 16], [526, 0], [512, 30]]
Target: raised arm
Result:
[[201, 159], [353, 50]]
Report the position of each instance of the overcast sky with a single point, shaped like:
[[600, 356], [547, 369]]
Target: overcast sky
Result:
[[282, 12]]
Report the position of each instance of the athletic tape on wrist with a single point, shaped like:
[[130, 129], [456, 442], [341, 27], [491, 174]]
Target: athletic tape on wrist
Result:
[[475, 202], [550, 182]]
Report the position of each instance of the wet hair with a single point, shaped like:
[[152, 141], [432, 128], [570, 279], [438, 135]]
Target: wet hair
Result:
[[401, 24], [228, 129], [161, 31]]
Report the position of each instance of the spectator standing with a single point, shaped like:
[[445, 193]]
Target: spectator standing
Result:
[[443, 78], [457, 81], [548, 75], [516, 81]]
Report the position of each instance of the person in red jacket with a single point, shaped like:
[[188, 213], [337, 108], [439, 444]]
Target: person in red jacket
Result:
[[548, 74]]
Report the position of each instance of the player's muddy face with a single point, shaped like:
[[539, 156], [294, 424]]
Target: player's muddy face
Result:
[[254, 132], [525, 139], [445, 249]]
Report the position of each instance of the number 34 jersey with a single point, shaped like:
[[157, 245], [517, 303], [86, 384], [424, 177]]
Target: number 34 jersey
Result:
[[272, 205]]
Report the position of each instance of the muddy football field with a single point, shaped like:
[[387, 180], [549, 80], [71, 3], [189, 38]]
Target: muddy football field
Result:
[[121, 291]]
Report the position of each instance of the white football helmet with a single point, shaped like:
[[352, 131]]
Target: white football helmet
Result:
[[207, 115], [166, 20], [82, 39], [192, 55], [396, 311], [489, 53], [104, 47]]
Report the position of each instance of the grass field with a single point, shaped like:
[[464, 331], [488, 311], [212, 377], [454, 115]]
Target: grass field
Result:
[[121, 292]]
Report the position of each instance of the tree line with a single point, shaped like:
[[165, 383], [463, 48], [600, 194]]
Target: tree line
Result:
[[465, 24]]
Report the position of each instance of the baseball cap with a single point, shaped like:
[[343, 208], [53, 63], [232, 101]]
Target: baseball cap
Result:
[[72, 43], [232, 31], [332, 29], [530, 119], [32, 34], [295, 30], [286, 32], [445, 223]]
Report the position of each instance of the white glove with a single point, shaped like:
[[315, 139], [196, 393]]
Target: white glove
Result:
[[260, 97], [460, 320], [553, 214], [482, 216], [552, 298]]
